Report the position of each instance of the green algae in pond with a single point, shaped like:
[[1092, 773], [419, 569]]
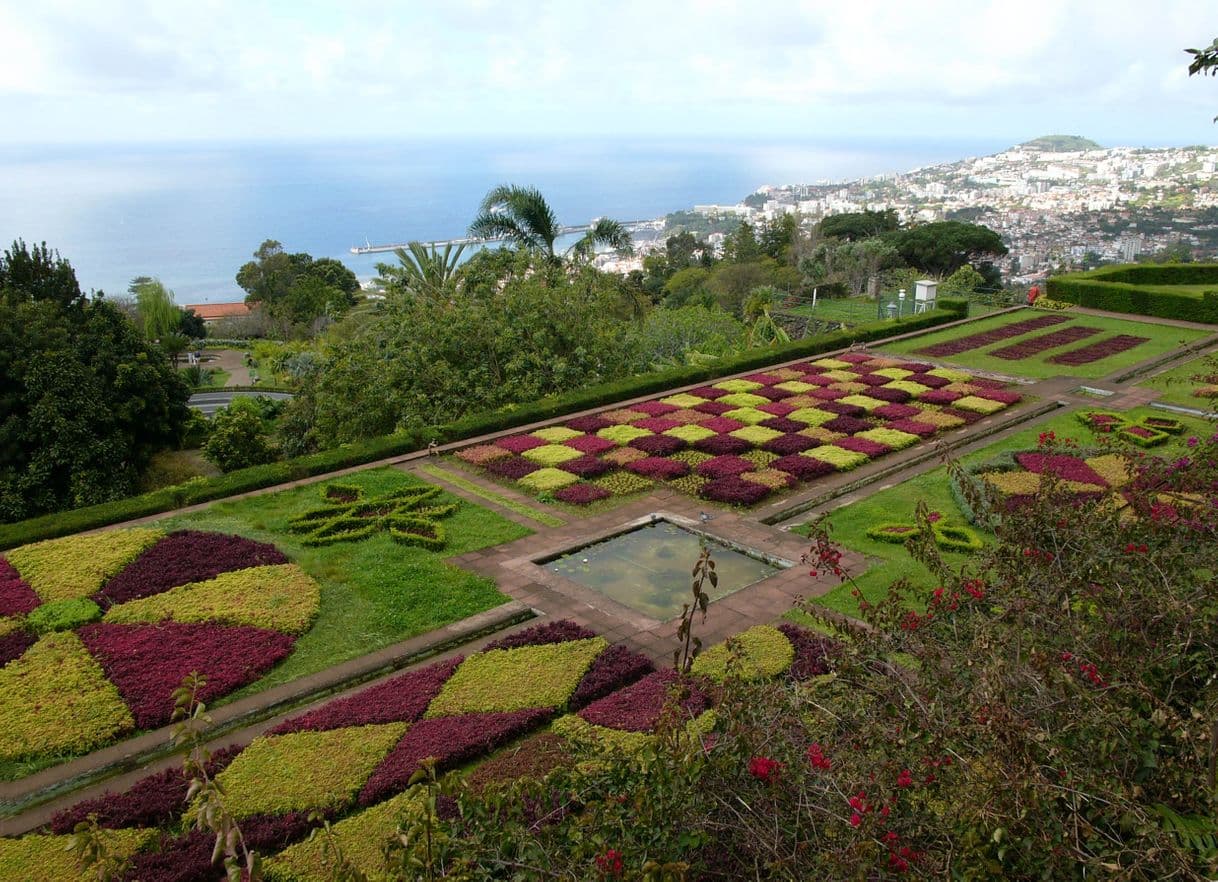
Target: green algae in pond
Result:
[[648, 568]]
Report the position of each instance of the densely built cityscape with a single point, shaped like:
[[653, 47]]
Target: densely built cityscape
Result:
[[1059, 202]]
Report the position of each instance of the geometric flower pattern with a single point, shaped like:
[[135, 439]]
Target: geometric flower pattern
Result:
[[362, 749], [297, 767], [84, 687], [816, 409]]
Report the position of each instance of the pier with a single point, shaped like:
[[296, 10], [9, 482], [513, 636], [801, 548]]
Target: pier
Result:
[[632, 226]]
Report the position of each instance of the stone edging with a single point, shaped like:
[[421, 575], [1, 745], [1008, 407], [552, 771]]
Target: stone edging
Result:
[[55, 781]]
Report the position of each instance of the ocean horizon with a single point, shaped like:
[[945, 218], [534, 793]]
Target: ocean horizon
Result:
[[192, 213]]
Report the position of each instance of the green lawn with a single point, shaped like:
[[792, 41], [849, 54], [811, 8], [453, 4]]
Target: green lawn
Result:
[[1176, 386], [374, 592], [860, 310], [889, 562], [1163, 339]]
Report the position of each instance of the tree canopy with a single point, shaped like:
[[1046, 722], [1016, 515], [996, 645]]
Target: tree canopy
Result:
[[859, 225], [945, 246], [84, 399], [295, 289]]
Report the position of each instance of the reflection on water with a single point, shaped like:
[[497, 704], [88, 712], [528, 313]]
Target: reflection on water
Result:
[[648, 569]]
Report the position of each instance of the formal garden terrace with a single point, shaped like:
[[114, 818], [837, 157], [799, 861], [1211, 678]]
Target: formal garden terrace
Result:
[[440, 607]]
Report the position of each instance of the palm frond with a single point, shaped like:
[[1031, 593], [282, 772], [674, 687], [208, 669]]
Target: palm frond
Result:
[[519, 214]]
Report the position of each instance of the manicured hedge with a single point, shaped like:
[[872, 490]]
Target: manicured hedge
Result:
[[1143, 290], [360, 452]]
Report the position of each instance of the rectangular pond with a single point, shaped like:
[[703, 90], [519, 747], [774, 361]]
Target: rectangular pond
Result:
[[648, 568]]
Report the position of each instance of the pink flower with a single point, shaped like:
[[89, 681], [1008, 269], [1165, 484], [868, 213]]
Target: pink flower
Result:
[[856, 819]]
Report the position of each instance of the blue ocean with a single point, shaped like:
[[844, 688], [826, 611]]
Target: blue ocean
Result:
[[191, 214]]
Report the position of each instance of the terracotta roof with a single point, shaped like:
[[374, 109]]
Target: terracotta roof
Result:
[[211, 311]]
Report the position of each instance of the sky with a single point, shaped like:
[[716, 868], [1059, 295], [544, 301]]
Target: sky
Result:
[[235, 70]]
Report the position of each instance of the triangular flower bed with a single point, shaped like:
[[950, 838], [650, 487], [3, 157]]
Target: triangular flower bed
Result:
[[148, 662]]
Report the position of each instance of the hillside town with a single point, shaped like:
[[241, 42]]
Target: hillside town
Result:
[[1059, 202]]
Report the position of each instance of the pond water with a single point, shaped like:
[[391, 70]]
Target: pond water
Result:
[[648, 568]]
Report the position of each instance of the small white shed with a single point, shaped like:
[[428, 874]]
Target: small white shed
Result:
[[925, 292]]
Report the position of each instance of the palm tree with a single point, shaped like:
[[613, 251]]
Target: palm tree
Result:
[[424, 270], [523, 217]]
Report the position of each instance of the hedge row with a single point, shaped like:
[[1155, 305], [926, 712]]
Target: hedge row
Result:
[[1143, 290], [407, 441]]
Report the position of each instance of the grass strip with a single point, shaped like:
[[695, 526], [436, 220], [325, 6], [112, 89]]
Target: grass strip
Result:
[[512, 505]]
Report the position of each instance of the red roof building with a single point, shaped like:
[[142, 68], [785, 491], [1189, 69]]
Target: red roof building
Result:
[[211, 312]]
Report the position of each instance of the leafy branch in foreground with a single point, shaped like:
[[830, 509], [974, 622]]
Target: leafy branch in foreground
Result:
[[205, 795]]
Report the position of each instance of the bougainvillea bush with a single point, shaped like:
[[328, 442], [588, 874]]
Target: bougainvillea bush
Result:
[[1045, 712], [835, 412], [95, 653]]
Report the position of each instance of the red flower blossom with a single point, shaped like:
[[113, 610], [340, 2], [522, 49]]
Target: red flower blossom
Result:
[[610, 863], [905, 779], [856, 819], [765, 769], [818, 759]]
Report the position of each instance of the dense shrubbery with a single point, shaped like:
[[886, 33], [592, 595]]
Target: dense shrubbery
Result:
[[86, 400], [1143, 289]]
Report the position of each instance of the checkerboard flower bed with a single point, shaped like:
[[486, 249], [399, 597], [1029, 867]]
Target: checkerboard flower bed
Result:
[[659, 445], [550, 454], [865, 446], [767, 416], [725, 466], [547, 479], [225, 606], [1103, 349], [985, 338]]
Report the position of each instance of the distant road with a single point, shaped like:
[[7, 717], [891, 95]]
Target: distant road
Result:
[[207, 403]]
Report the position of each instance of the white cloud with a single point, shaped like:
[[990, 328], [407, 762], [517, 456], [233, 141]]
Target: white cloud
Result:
[[636, 65]]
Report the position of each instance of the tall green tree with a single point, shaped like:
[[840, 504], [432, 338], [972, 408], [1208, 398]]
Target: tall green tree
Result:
[[159, 315], [522, 217], [943, 247], [295, 289], [856, 225], [84, 400]]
